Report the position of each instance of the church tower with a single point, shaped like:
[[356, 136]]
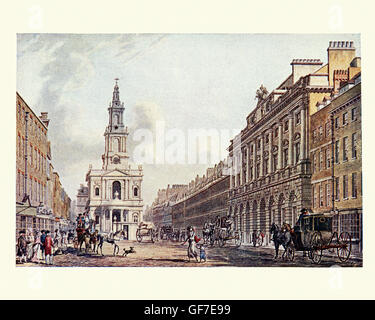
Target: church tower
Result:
[[115, 155]]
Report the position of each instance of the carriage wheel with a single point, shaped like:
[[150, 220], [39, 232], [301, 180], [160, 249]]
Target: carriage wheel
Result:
[[237, 240], [139, 237], [345, 243], [316, 250], [333, 241], [290, 251]]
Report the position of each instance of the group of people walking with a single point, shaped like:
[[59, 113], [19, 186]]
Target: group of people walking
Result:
[[38, 246]]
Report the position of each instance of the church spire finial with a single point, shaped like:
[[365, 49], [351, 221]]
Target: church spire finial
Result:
[[116, 94]]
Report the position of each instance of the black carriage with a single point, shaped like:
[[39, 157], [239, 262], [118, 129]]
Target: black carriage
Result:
[[315, 235], [223, 234], [146, 230], [166, 232]]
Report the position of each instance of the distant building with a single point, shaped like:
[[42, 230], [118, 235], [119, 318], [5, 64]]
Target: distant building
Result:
[[82, 199], [115, 191]]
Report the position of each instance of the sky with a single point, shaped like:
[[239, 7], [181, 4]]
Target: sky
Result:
[[181, 82]]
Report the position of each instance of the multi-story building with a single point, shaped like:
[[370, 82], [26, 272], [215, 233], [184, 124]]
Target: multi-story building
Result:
[[205, 198], [162, 205], [31, 160], [270, 159], [115, 191], [336, 155], [82, 198]]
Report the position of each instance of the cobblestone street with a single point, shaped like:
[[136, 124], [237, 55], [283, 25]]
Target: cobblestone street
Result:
[[171, 254]]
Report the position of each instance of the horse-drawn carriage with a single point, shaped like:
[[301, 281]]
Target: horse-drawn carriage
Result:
[[147, 230], [166, 232], [314, 235], [221, 232]]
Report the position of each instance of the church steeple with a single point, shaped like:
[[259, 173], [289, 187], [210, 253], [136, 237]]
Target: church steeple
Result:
[[115, 154], [116, 95]]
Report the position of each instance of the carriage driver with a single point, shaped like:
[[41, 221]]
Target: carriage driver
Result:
[[304, 213]]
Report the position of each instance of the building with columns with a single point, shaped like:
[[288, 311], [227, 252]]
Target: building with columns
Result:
[[269, 159], [115, 191]]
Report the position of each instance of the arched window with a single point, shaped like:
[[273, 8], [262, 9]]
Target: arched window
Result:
[[96, 191], [135, 217], [135, 191], [116, 190]]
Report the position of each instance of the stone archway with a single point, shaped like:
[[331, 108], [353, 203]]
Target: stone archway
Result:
[[280, 212], [262, 215], [254, 219], [247, 222]]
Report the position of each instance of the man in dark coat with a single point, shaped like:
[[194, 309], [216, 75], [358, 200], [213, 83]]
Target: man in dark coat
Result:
[[42, 238], [22, 246], [304, 212]]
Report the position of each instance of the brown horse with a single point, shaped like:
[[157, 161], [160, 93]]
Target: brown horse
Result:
[[94, 240], [83, 236]]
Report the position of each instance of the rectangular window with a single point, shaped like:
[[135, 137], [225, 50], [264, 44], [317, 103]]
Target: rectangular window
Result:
[[314, 136], [328, 131], [337, 188], [286, 123], [320, 132], [285, 157], [257, 170], [326, 193], [354, 145], [354, 185], [345, 148], [274, 163], [336, 123], [324, 159], [320, 195], [345, 119], [276, 132], [354, 114], [337, 152], [313, 196], [345, 186], [328, 153], [265, 166]]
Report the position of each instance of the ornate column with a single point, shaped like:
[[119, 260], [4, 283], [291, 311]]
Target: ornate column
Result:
[[270, 151], [261, 155], [254, 160], [110, 221], [303, 128], [240, 163], [280, 147], [290, 147], [247, 163]]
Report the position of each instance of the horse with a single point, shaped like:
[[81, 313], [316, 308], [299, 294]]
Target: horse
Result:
[[93, 240], [101, 239], [83, 236], [280, 237]]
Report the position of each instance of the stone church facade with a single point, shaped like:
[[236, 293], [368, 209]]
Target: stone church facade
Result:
[[270, 158], [115, 191]]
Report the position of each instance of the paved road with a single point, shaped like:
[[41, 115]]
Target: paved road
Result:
[[170, 254]]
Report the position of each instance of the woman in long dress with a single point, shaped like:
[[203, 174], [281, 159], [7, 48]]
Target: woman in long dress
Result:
[[36, 248], [192, 249]]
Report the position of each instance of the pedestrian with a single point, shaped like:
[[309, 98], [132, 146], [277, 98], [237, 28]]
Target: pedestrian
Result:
[[191, 238], [42, 238], [36, 248], [30, 244], [202, 253], [56, 239], [22, 246], [48, 244]]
